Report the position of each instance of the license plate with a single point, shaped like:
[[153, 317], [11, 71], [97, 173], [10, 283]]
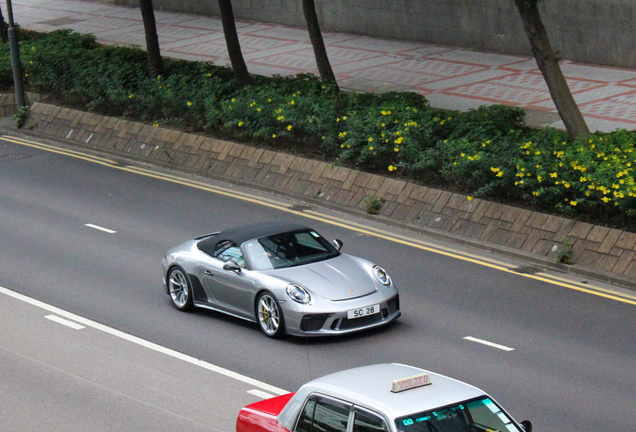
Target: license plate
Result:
[[367, 310]]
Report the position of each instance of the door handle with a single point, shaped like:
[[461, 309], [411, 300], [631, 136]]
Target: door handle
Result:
[[209, 273]]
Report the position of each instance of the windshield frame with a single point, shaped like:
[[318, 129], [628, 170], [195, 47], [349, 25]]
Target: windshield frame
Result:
[[399, 421], [331, 251]]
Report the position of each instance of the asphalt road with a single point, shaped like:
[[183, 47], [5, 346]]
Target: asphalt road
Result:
[[59, 374], [574, 357]]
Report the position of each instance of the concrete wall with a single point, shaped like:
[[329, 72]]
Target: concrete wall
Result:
[[7, 105], [589, 31], [610, 253]]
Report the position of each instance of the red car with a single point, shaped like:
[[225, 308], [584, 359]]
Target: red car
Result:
[[380, 398]]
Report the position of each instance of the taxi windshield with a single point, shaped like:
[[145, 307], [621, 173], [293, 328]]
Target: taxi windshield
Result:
[[476, 415], [288, 250]]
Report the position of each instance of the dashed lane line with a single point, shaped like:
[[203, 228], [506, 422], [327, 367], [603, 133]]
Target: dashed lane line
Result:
[[142, 342]]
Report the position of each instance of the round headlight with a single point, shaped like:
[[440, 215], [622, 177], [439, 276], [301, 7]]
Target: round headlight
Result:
[[298, 294], [381, 275]]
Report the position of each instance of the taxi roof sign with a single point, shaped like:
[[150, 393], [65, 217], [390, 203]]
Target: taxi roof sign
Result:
[[413, 381]]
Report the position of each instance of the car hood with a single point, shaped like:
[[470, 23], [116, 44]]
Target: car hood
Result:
[[340, 278]]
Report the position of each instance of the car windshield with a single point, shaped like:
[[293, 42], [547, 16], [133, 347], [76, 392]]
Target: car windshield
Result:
[[476, 415], [288, 249]]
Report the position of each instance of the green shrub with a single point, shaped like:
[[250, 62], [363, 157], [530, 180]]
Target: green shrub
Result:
[[486, 152]]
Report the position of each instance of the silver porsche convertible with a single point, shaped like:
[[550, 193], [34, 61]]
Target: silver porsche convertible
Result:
[[285, 277]]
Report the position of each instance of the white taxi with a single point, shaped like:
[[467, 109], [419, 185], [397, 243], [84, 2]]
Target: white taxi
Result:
[[381, 398]]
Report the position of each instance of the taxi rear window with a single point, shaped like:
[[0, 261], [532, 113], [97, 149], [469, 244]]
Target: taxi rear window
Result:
[[475, 415]]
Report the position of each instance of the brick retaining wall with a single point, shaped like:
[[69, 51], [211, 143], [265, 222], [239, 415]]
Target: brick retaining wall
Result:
[[603, 249]]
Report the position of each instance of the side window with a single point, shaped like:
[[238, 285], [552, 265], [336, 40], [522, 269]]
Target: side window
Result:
[[323, 415], [365, 421], [229, 251]]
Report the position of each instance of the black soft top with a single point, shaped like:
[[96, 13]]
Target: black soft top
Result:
[[247, 232]]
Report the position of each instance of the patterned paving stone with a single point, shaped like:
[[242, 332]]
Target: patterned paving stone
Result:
[[621, 107], [477, 58], [213, 48], [280, 32], [450, 77], [336, 55], [519, 89], [425, 51], [417, 72], [599, 73], [297, 62], [379, 45]]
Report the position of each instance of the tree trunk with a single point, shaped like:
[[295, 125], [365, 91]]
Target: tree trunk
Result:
[[4, 28], [549, 66], [155, 62], [239, 67], [322, 60]]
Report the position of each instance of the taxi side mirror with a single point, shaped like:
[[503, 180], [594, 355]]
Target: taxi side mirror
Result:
[[338, 244], [232, 266], [527, 426]]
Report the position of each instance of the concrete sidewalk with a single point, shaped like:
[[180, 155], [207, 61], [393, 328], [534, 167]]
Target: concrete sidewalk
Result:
[[450, 78]]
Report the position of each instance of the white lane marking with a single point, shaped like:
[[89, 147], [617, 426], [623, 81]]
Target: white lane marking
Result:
[[260, 394], [97, 227], [144, 343], [62, 321], [492, 344]]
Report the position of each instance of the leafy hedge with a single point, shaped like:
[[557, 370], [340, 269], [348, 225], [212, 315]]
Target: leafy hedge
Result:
[[487, 152]]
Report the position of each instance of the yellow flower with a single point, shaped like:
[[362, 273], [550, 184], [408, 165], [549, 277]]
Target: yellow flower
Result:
[[131, 96], [540, 179], [155, 124], [396, 149], [371, 148], [233, 100], [573, 203], [606, 199], [158, 77], [189, 103], [292, 102], [274, 136], [399, 140], [500, 174], [462, 155], [208, 74], [535, 193], [32, 48], [344, 117], [289, 127], [370, 139], [392, 168], [469, 198]]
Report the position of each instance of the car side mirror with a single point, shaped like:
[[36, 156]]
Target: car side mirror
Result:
[[338, 244], [527, 426], [232, 266]]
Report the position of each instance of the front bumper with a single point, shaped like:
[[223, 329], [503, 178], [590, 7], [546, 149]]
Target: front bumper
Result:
[[313, 323]]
